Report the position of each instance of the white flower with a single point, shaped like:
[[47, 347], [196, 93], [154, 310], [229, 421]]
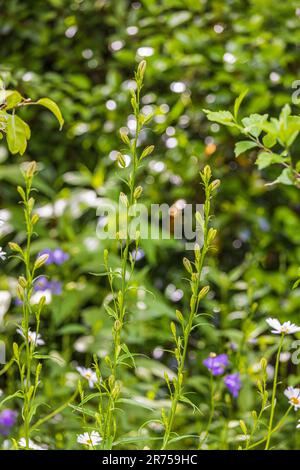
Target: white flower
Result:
[[298, 425], [2, 254], [89, 375], [34, 338], [32, 445], [89, 439], [286, 328], [293, 394], [5, 299], [36, 297]]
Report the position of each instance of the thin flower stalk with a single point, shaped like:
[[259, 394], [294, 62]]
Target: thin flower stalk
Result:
[[273, 400], [24, 356], [119, 282], [176, 386]]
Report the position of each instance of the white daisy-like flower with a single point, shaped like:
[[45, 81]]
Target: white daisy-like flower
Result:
[[89, 375], [298, 425], [33, 337], [2, 254], [286, 328], [89, 439], [293, 394], [32, 445]]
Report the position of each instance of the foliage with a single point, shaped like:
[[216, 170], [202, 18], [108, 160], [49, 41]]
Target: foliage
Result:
[[200, 55]]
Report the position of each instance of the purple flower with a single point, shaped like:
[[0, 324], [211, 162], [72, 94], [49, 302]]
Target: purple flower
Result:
[[42, 284], [55, 287], [233, 383], [216, 364], [57, 256], [7, 420]]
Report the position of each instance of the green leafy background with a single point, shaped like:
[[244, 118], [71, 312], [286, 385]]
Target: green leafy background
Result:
[[82, 54]]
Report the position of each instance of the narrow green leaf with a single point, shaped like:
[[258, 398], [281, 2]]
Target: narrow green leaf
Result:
[[238, 102], [52, 106], [296, 284]]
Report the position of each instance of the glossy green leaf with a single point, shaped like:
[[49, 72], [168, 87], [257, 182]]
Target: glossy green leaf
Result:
[[241, 147], [52, 106]]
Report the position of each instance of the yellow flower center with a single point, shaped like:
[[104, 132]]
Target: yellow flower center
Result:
[[295, 401]]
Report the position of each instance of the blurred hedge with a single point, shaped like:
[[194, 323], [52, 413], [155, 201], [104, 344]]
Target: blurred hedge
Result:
[[200, 54]]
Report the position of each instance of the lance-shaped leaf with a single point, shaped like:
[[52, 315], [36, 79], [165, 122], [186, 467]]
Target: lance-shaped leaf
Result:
[[238, 102], [52, 106]]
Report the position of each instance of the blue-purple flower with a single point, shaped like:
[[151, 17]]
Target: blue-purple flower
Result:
[[216, 364], [233, 383], [43, 284], [7, 420], [56, 256]]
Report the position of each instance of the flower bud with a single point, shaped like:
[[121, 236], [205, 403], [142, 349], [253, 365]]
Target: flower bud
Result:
[[15, 247], [187, 265], [147, 151], [173, 328], [215, 184], [204, 291], [21, 192], [138, 192], [206, 173], [243, 426], [22, 282], [179, 316], [263, 363], [34, 219], [211, 234], [124, 200], [31, 169], [124, 137], [121, 160], [40, 261], [16, 351], [20, 292], [141, 69]]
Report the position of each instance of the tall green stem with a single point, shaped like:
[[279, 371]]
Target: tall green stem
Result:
[[128, 200], [273, 402], [196, 296]]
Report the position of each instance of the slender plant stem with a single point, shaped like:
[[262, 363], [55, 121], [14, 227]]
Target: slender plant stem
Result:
[[128, 200], [196, 296], [278, 426], [212, 410], [273, 402]]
